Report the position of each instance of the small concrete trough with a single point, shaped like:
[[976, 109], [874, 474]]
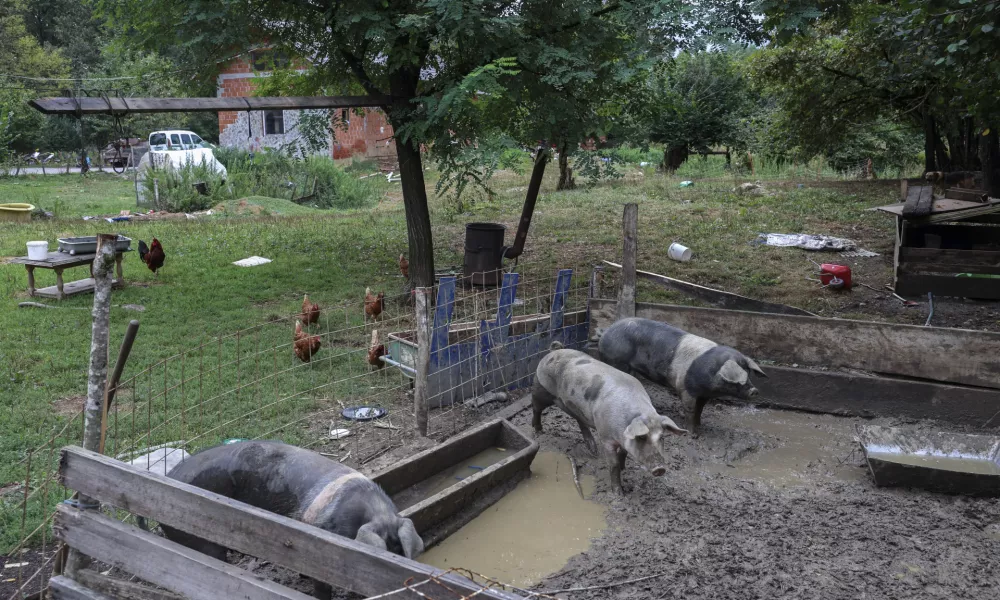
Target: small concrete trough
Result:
[[950, 463], [445, 487]]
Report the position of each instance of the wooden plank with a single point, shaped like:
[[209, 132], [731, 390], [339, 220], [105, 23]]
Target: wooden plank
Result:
[[305, 549], [124, 106], [934, 353], [715, 297], [956, 287], [982, 258], [868, 396], [919, 201], [968, 195], [64, 588], [935, 267], [421, 388], [80, 286], [626, 296], [56, 259], [955, 236], [160, 561], [121, 589]]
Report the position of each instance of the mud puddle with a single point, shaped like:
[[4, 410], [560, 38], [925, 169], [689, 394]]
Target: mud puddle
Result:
[[795, 448], [449, 477], [531, 532]]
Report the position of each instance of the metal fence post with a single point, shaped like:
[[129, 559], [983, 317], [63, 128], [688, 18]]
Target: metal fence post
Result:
[[420, 388]]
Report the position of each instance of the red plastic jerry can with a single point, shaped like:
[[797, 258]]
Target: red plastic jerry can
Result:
[[835, 276]]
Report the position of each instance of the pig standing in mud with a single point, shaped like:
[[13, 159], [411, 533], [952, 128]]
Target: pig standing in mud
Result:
[[602, 398], [300, 484], [695, 368]]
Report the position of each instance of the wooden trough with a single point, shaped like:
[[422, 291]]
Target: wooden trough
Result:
[[950, 463], [413, 483], [305, 549], [470, 359]]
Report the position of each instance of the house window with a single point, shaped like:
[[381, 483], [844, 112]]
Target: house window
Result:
[[274, 122], [268, 60], [345, 116]]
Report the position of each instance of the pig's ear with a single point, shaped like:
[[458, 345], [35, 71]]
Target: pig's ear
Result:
[[368, 536], [668, 425], [753, 366], [636, 429], [733, 373], [409, 539]]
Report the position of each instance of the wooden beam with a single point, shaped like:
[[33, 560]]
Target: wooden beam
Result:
[[630, 226], [715, 297], [305, 549], [121, 589], [64, 588], [982, 258], [949, 286], [963, 194], [918, 201], [935, 353], [125, 106], [866, 396], [160, 561]]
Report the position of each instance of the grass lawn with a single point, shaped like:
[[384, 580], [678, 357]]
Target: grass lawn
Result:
[[333, 256]]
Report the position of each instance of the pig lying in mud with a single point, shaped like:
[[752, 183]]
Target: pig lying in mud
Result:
[[695, 368], [602, 398], [300, 484]]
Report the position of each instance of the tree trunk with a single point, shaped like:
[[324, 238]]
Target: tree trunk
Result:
[[674, 157], [566, 181], [930, 135], [991, 164], [403, 86], [943, 160]]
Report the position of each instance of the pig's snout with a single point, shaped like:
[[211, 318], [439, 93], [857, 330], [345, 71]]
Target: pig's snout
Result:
[[753, 392], [659, 471]]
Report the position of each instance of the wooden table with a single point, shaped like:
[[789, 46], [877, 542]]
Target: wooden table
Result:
[[60, 261]]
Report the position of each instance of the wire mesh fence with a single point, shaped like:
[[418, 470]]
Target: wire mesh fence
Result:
[[348, 397]]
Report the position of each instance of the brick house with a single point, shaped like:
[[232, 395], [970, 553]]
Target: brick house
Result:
[[367, 135]]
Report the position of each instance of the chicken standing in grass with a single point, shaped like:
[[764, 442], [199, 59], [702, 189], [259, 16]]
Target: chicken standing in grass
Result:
[[375, 350], [404, 266], [153, 255], [310, 311], [373, 304], [306, 346]]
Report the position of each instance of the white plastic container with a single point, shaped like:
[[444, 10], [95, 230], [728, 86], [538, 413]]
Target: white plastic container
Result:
[[38, 250], [679, 253]]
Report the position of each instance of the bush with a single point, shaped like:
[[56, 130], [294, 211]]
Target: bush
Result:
[[177, 190]]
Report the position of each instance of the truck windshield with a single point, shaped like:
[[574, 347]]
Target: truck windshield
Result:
[[158, 141]]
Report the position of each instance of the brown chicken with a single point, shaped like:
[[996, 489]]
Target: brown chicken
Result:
[[153, 256], [310, 311], [306, 346], [373, 304], [404, 266], [375, 350]]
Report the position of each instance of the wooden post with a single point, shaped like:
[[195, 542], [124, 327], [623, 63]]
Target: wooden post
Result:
[[630, 226], [420, 391], [156, 194], [97, 374]]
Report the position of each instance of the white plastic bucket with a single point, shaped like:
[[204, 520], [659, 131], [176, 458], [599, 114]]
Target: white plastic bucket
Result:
[[38, 250], [679, 252]]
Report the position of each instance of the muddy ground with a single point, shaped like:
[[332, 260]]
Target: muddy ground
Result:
[[776, 504]]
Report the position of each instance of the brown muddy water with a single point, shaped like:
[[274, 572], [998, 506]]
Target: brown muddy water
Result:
[[531, 532]]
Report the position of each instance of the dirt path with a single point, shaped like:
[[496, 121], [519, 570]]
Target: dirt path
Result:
[[774, 504]]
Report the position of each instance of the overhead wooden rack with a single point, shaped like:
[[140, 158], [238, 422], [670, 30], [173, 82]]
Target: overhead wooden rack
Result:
[[108, 105]]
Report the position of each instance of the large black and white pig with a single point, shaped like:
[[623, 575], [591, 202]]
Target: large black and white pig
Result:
[[300, 484], [612, 403], [695, 368]]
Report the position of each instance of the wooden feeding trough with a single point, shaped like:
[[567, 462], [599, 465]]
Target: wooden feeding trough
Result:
[[470, 359], [950, 463], [445, 487], [947, 246]]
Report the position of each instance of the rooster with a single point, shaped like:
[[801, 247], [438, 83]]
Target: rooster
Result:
[[306, 346], [375, 350], [153, 255], [404, 266], [310, 311], [373, 304]]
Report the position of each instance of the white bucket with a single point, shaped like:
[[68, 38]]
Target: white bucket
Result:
[[679, 252], [38, 250]]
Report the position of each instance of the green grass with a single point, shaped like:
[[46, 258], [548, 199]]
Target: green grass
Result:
[[332, 256], [263, 206]]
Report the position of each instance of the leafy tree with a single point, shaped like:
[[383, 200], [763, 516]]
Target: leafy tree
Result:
[[418, 51]]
